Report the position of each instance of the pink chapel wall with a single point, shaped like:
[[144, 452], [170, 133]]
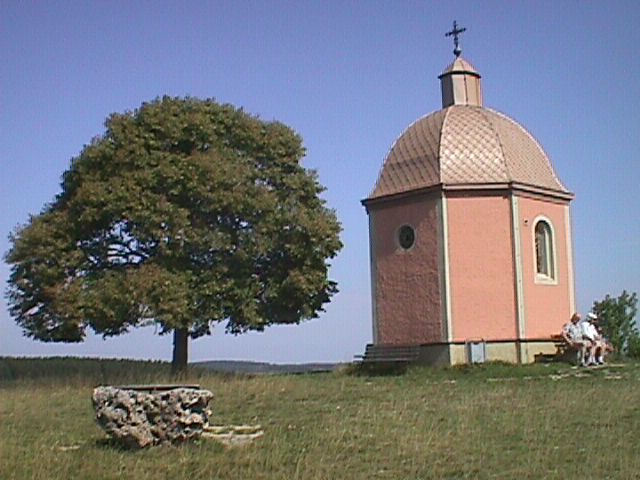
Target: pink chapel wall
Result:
[[406, 282], [547, 305], [481, 269]]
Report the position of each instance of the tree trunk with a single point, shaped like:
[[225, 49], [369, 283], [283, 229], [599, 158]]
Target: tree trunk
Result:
[[180, 350]]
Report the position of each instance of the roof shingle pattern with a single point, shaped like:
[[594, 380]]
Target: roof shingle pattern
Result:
[[464, 145]]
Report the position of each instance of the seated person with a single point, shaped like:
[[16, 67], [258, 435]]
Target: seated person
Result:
[[602, 346], [590, 333], [573, 334]]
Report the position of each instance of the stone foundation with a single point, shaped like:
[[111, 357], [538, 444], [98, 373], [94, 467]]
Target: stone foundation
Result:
[[502, 351]]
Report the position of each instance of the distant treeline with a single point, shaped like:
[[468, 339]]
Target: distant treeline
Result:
[[97, 370], [255, 368], [115, 371]]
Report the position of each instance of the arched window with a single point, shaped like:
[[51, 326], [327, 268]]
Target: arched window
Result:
[[545, 265]]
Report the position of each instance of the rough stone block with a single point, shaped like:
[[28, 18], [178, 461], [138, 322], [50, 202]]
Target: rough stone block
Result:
[[140, 417]]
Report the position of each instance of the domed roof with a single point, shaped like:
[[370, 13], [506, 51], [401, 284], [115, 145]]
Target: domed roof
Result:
[[466, 146]]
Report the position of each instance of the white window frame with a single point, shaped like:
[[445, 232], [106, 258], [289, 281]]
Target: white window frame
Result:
[[552, 261]]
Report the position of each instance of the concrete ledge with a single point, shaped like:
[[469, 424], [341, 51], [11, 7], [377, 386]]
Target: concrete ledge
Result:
[[509, 351]]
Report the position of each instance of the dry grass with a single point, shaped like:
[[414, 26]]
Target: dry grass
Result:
[[485, 422]]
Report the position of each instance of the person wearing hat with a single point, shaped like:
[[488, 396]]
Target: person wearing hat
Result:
[[590, 333], [601, 345]]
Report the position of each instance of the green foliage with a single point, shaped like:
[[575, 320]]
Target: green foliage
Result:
[[633, 346], [184, 213], [617, 321]]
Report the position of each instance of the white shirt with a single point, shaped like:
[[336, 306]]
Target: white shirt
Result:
[[573, 331], [589, 331]]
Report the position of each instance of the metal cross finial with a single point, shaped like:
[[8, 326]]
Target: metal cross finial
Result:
[[455, 32]]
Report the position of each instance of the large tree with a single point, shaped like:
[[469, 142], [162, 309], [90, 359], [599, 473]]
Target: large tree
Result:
[[184, 213]]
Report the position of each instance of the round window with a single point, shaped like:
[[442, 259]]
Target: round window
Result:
[[406, 237]]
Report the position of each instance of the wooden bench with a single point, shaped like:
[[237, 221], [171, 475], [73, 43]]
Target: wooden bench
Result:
[[565, 351], [560, 343], [389, 354], [382, 359]]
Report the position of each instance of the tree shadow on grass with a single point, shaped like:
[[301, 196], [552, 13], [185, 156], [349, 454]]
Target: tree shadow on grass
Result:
[[378, 369]]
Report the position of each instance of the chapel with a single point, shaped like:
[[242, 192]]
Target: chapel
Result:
[[470, 235]]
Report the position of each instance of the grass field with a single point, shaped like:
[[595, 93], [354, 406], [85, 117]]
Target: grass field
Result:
[[495, 421]]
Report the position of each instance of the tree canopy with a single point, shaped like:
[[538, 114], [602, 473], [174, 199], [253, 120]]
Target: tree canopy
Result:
[[184, 213], [617, 319]]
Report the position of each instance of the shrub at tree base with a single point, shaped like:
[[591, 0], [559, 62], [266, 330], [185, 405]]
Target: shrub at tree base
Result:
[[183, 214], [617, 319]]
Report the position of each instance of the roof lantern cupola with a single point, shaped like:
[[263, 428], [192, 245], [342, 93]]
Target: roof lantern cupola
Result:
[[460, 82]]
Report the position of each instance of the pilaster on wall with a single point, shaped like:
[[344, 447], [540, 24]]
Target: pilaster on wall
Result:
[[445, 279], [570, 259], [517, 263], [373, 272]]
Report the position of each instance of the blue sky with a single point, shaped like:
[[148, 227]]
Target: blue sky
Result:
[[349, 77]]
